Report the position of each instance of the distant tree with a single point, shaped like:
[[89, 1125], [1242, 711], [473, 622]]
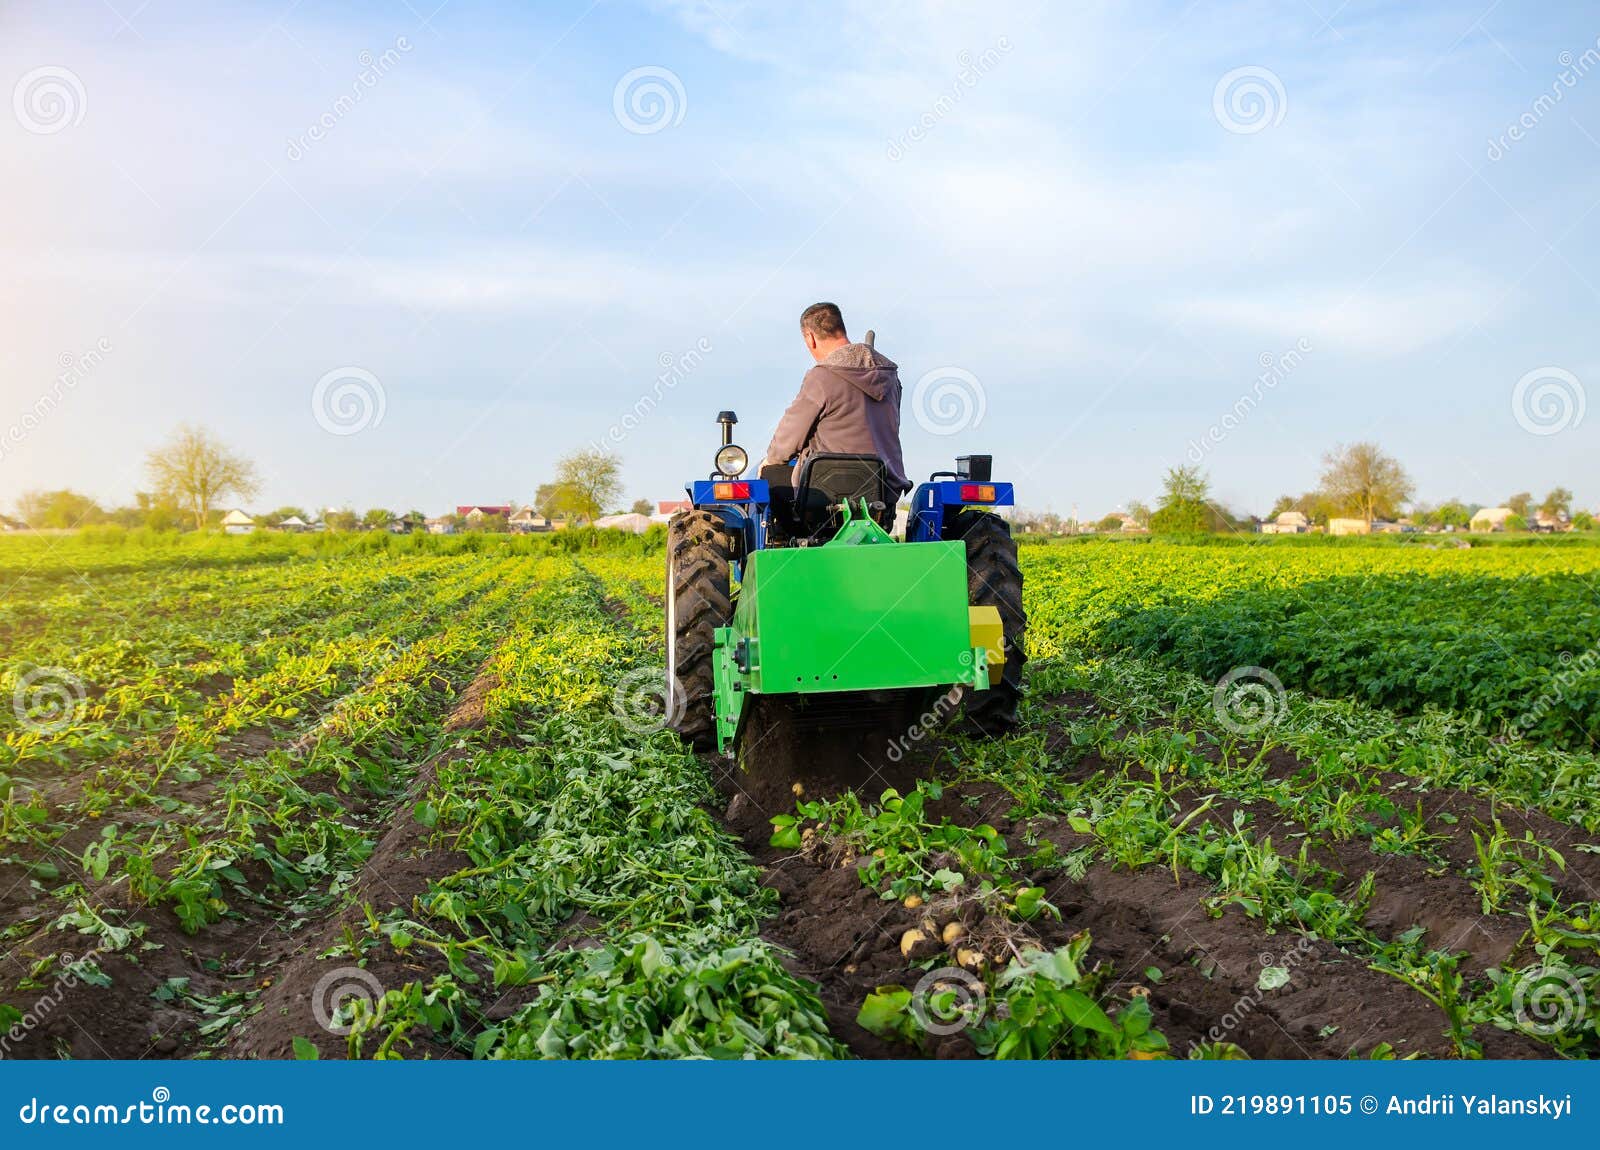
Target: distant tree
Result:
[[45, 510], [341, 519], [586, 483], [1520, 502], [1284, 503], [415, 520], [1516, 522], [1361, 480], [643, 507], [1140, 512], [546, 500], [1582, 521], [1184, 485], [489, 524], [1558, 503], [1112, 522], [195, 471], [1184, 507], [377, 518], [1450, 513]]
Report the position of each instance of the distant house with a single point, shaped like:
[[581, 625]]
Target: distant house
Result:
[[1349, 527], [294, 523], [9, 524], [632, 521], [406, 524], [527, 521], [1491, 519], [236, 522], [440, 525], [484, 511], [1547, 524], [1287, 523], [667, 508]]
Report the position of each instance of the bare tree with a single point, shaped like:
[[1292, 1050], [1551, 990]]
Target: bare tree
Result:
[[195, 470], [586, 483], [1362, 480]]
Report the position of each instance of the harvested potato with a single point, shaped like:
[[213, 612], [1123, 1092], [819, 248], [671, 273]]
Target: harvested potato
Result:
[[952, 932]]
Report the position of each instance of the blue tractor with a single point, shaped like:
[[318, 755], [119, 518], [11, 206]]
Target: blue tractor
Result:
[[788, 592]]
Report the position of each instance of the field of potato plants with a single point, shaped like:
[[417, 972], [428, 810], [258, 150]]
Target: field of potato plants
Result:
[[412, 798]]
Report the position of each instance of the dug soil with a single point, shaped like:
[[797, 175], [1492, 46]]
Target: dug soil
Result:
[[1202, 970]]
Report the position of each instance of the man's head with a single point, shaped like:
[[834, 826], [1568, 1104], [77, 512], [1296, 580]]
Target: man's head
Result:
[[822, 327]]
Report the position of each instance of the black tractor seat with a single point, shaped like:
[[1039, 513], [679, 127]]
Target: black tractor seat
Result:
[[806, 508]]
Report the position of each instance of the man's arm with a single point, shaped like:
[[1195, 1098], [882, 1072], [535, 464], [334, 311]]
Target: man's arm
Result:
[[797, 423]]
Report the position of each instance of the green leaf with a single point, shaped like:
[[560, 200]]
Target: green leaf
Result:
[[883, 1010], [305, 1050]]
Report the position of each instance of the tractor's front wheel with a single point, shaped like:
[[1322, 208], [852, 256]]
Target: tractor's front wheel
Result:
[[699, 600], [994, 579]]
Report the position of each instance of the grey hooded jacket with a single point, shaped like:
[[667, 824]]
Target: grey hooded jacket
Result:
[[848, 403]]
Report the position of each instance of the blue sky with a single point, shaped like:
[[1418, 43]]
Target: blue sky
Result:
[[1086, 226]]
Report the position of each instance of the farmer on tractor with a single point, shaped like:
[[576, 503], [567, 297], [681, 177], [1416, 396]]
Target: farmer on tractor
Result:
[[848, 404]]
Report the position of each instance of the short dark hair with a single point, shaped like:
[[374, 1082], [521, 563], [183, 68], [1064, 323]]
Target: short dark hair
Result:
[[823, 319]]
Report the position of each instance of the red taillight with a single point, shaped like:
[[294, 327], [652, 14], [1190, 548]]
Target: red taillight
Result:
[[730, 491], [977, 493]]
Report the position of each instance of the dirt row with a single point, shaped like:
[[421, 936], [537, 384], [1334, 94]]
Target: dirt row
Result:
[[253, 976], [1200, 969]]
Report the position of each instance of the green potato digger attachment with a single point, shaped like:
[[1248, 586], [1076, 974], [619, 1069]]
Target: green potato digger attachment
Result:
[[858, 614]]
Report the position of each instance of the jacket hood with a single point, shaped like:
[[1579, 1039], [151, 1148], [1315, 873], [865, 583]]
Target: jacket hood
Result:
[[865, 369]]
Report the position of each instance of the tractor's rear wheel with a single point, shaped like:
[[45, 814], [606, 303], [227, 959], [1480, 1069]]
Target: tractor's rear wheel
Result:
[[699, 600], [994, 579]]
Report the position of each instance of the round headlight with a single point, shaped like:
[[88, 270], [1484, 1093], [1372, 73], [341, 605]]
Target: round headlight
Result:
[[732, 460]]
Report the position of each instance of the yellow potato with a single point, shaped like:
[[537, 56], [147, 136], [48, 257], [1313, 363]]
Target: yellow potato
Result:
[[910, 940], [952, 931], [912, 901], [970, 959]]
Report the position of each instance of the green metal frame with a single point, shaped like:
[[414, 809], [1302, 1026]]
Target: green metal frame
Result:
[[859, 613]]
